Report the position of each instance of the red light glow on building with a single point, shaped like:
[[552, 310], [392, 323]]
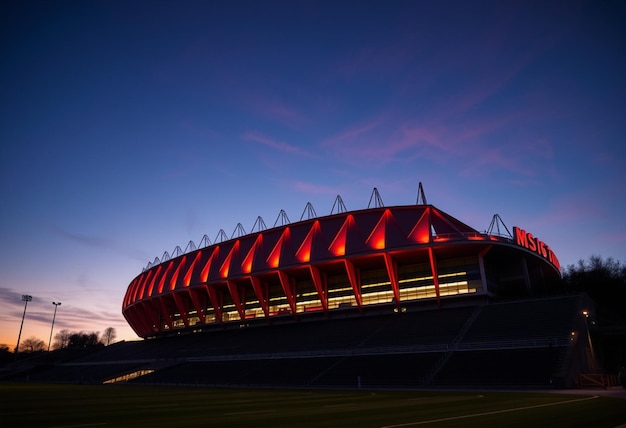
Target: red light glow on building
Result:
[[379, 256]]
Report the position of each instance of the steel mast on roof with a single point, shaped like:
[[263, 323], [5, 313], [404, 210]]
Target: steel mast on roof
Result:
[[309, 211], [420, 195], [378, 201], [239, 231], [341, 208], [259, 225], [221, 237], [204, 242], [191, 246], [496, 221], [282, 218]]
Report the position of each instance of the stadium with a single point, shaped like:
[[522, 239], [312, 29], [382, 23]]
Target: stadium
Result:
[[352, 260], [382, 297]]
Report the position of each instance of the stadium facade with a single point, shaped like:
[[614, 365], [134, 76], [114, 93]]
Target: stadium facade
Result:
[[383, 258]]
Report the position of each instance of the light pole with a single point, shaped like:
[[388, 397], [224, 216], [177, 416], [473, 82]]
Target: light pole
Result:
[[56, 304], [25, 298], [593, 357]]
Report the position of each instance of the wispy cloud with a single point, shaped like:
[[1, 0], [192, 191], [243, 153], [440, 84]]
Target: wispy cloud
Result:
[[273, 108], [277, 145], [9, 304], [386, 139], [351, 134]]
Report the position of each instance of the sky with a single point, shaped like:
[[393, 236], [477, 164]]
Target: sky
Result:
[[128, 128]]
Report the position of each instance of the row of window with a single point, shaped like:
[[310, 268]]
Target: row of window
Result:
[[415, 282]]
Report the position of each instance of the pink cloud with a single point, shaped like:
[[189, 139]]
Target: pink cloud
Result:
[[351, 134], [277, 145], [386, 139], [282, 113], [274, 109], [426, 137]]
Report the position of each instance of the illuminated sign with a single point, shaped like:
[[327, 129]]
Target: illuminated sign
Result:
[[536, 245]]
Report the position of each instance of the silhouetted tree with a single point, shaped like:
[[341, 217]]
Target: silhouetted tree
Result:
[[603, 280], [32, 344], [84, 340], [108, 336], [61, 339], [5, 355]]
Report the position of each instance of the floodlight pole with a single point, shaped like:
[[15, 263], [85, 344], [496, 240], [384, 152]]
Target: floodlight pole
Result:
[[56, 304], [25, 298]]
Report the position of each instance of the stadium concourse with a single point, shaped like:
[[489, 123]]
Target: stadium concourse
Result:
[[383, 297]]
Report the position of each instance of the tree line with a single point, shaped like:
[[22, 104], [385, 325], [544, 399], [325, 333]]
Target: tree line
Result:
[[604, 280], [66, 339]]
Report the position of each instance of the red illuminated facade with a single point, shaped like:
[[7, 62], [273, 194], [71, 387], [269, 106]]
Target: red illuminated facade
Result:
[[378, 257]]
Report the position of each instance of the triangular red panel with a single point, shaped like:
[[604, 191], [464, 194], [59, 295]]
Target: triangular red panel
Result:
[[329, 229], [144, 284], [376, 240], [138, 288], [174, 279], [204, 274], [131, 293], [275, 257], [151, 288], [306, 248], [164, 277], [187, 278], [297, 235], [421, 231], [246, 244], [246, 265], [348, 239], [225, 268]]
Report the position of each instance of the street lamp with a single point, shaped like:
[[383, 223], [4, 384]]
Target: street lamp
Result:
[[585, 313], [56, 304], [25, 298]]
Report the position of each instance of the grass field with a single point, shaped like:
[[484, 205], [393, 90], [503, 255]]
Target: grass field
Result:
[[31, 405]]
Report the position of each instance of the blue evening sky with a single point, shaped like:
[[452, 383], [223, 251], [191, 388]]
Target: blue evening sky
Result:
[[130, 127]]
